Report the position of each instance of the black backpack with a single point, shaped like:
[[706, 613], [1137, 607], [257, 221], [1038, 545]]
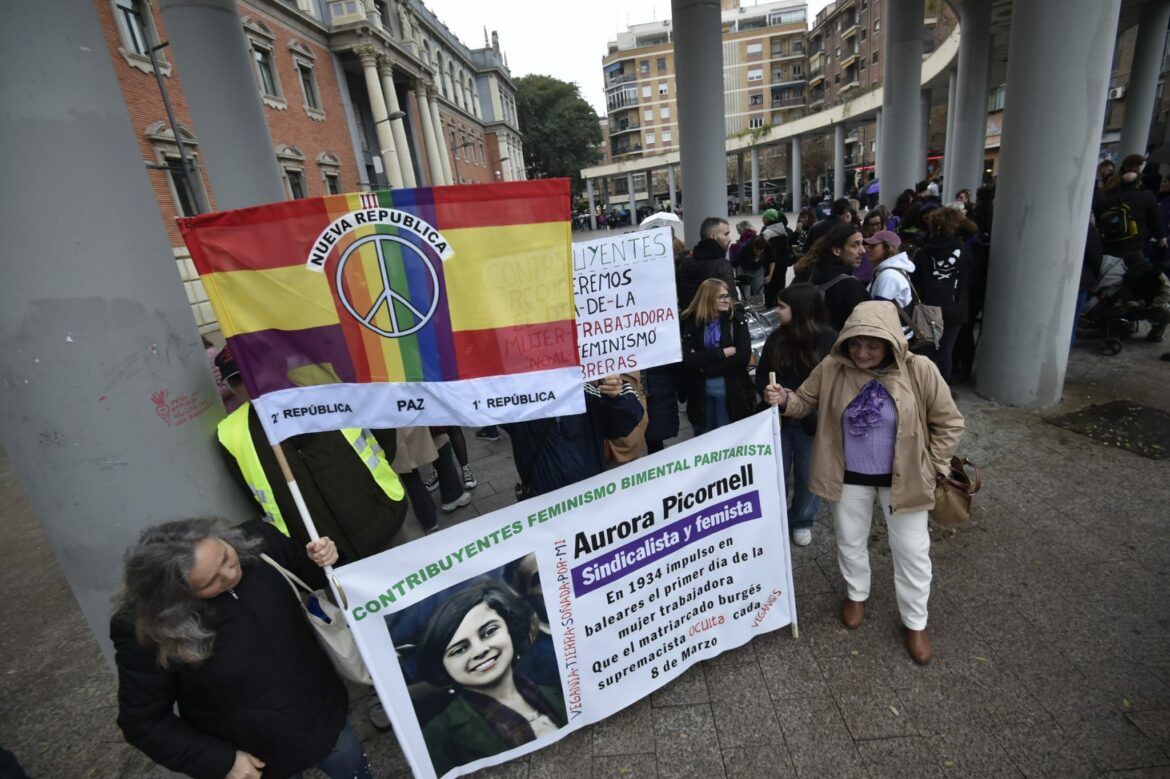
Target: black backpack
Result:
[[1117, 224]]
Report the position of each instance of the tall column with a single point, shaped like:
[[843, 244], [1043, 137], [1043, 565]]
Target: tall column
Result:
[[971, 101], [441, 140], [877, 157], [670, 183], [698, 58], [633, 198], [92, 351], [756, 179], [386, 151], [838, 160], [740, 180], [592, 205], [949, 141], [1052, 115], [397, 126], [924, 149], [219, 84], [901, 140], [434, 147], [1143, 77], [794, 182]]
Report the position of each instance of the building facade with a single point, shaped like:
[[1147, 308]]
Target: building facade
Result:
[[358, 95]]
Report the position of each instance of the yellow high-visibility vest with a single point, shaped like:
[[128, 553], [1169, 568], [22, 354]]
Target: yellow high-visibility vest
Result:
[[234, 434]]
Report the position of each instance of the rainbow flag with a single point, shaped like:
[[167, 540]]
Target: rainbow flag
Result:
[[431, 306]]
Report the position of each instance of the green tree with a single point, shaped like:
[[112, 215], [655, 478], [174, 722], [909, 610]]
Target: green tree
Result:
[[561, 131]]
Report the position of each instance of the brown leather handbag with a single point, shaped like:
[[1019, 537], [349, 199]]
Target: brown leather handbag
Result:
[[953, 493]]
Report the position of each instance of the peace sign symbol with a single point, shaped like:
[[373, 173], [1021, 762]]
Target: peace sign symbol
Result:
[[391, 298]]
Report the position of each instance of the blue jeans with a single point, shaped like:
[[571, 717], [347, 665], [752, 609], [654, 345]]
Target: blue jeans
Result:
[[347, 760], [716, 414], [796, 446]]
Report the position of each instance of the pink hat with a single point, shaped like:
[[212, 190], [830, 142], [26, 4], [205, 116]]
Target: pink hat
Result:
[[884, 236]]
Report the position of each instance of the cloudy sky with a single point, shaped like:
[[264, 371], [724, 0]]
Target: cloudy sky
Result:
[[565, 40]]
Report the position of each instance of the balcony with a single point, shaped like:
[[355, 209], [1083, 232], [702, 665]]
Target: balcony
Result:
[[788, 102], [621, 78], [850, 31], [347, 12], [626, 127], [780, 80], [634, 148], [815, 78], [850, 58], [848, 86]]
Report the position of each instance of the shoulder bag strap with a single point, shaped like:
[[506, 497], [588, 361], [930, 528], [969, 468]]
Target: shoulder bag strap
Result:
[[293, 580], [913, 290]]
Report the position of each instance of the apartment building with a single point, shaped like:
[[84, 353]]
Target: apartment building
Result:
[[316, 65]]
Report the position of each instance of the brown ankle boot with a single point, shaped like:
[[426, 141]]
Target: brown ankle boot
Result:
[[853, 613], [918, 644]]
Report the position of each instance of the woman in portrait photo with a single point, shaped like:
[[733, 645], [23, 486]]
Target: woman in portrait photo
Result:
[[470, 646]]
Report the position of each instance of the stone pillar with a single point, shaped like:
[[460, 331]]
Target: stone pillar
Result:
[[1053, 116], [756, 200], [838, 161], [877, 157], [949, 143], [1143, 77], [219, 84], [430, 140], [794, 182], [633, 199], [698, 58], [924, 149], [670, 183], [901, 140], [97, 340], [592, 205], [970, 125], [441, 140], [397, 126], [740, 180], [389, 156]]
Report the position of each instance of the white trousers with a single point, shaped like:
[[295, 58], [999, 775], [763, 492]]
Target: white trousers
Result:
[[909, 543]]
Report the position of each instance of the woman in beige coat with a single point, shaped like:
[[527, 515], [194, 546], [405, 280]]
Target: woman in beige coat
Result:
[[888, 428]]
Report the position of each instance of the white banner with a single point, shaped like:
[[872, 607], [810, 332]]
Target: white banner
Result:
[[503, 634], [624, 290], [467, 402]]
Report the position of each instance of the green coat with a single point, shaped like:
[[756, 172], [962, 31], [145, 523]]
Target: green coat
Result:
[[459, 735]]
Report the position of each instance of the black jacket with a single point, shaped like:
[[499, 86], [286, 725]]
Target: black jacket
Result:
[[554, 452], [707, 261], [792, 377], [701, 363], [842, 296], [344, 501], [267, 689], [942, 276], [821, 229], [1143, 209], [661, 385], [746, 260]]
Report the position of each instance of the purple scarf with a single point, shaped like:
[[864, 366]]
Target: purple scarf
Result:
[[712, 335], [866, 409]]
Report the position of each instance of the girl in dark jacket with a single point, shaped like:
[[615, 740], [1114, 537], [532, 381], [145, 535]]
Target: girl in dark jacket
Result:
[[803, 339], [204, 623], [716, 349], [942, 277]]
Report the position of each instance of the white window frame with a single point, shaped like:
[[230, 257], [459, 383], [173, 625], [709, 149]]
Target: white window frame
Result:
[[646, 91], [303, 58], [261, 38], [330, 166], [648, 115], [664, 88], [755, 74], [292, 160], [667, 136], [649, 137], [755, 122], [162, 141], [150, 33], [664, 112], [755, 48]]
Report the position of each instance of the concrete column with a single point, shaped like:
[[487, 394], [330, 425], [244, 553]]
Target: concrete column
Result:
[[592, 205], [441, 140], [433, 144], [924, 149], [877, 157], [971, 99], [838, 161], [219, 85], [1052, 115], [698, 58], [901, 82], [397, 126], [386, 151], [633, 198], [756, 180], [740, 180], [1143, 77], [949, 143], [794, 181], [672, 187], [94, 327]]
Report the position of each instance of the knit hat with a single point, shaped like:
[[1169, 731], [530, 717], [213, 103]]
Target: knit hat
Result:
[[770, 216]]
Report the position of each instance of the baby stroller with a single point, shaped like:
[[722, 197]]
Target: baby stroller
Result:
[[1123, 295]]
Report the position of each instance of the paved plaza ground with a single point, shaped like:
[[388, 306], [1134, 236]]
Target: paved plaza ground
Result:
[[1048, 616]]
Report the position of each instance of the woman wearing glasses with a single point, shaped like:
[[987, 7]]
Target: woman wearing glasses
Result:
[[716, 350]]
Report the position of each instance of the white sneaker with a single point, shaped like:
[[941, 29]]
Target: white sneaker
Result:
[[462, 500], [469, 482], [802, 536]]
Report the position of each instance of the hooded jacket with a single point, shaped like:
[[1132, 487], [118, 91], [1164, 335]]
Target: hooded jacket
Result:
[[922, 399], [942, 276], [888, 284], [707, 261]]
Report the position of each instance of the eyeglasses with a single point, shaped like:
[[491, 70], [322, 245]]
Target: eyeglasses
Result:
[[723, 297]]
